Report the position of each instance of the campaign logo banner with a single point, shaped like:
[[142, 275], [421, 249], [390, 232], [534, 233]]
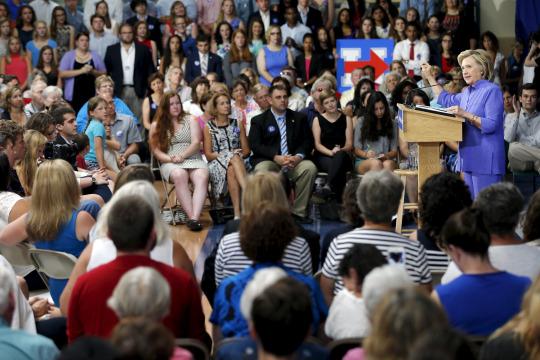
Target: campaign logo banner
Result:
[[358, 53]]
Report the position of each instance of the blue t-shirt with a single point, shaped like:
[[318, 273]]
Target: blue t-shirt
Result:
[[94, 129], [478, 304], [226, 311], [31, 46]]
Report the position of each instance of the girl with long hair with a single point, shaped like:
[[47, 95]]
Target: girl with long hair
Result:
[[173, 54], [447, 60], [13, 106], [238, 58], [102, 9], [5, 33], [398, 29], [61, 31], [34, 142], [323, 47], [221, 43], [225, 146], [228, 14], [16, 62], [26, 19], [185, 28], [57, 220], [256, 38], [432, 36], [368, 29], [175, 139], [95, 130], [375, 137], [41, 38], [490, 43], [344, 28], [48, 67], [382, 22], [151, 102]]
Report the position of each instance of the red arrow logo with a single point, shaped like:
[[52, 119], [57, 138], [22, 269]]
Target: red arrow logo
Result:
[[378, 64]]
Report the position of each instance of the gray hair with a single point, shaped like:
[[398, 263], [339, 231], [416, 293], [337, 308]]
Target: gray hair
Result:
[[52, 90], [139, 187], [481, 57], [141, 292], [6, 290], [378, 196], [168, 74], [35, 83], [500, 205], [380, 281], [262, 280], [321, 82]]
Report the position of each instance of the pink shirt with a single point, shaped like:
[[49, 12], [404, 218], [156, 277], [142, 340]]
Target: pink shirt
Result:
[[208, 11]]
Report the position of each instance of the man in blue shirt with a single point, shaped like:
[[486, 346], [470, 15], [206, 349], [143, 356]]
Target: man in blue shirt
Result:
[[17, 344]]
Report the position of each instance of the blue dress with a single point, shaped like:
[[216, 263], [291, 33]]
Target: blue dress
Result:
[[479, 304], [66, 241], [33, 49], [275, 62]]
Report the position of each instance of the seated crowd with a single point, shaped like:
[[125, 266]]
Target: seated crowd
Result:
[[235, 103]]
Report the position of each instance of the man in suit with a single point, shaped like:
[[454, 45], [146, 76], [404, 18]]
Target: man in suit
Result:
[[202, 61], [123, 61], [281, 140], [140, 7], [265, 15], [309, 16]]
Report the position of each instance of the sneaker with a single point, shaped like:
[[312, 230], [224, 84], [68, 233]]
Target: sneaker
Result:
[[194, 225]]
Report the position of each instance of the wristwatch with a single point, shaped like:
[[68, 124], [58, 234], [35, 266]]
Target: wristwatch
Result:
[[94, 181]]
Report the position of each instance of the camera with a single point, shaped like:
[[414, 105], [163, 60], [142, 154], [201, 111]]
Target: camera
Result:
[[67, 152]]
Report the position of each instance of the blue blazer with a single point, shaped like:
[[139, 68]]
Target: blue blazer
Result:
[[193, 66]]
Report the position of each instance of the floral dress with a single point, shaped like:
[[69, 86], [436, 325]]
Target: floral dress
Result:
[[225, 139], [63, 35]]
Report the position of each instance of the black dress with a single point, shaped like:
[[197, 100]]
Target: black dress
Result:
[[25, 36], [332, 134], [84, 87], [52, 78]]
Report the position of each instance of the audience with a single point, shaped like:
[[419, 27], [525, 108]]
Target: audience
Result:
[[483, 298], [500, 205], [132, 232]]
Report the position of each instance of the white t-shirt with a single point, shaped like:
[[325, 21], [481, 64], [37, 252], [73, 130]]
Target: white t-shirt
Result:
[[7, 202], [519, 259], [104, 251], [347, 317]]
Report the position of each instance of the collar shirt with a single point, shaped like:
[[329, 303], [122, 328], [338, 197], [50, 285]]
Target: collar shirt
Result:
[[43, 9], [524, 129], [265, 17], [128, 63], [421, 54]]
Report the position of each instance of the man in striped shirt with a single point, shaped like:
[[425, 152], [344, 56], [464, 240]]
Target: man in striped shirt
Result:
[[378, 198]]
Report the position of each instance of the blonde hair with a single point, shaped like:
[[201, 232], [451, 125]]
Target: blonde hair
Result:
[[481, 57], [252, 74], [102, 79], [263, 186], [26, 170], [269, 30], [47, 34], [219, 88], [213, 103], [526, 324], [327, 94], [55, 195], [400, 319]]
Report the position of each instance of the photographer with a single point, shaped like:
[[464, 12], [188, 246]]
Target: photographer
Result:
[[63, 147]]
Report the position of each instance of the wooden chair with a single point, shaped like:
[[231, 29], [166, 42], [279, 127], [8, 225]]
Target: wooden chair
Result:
[[402, 204]]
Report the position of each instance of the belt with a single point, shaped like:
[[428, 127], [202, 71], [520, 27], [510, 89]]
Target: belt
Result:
[[128, 85]]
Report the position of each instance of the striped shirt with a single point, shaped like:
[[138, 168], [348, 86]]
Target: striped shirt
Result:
[[230, 259], [413, 254]]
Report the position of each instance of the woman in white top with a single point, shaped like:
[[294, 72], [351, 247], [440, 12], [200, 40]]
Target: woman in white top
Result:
[[11, 205], [490, 43], [101, 249]]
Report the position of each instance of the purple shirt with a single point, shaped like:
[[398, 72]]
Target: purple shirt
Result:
[[482, 150], [68, 62]]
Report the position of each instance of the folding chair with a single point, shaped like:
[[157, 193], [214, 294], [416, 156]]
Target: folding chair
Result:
[[176, 212], [195, 347], [53, 264], [19, 257]]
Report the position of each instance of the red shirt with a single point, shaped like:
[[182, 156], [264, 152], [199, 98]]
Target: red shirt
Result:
[[88, 313]]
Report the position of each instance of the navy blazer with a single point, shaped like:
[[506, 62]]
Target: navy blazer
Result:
[[275, 19], [265, 138], [193, 66], [144, 67], [314, 19]]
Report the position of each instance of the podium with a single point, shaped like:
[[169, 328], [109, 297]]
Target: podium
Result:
[[428, 129]]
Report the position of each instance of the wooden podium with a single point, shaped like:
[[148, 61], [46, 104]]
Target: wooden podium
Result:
[[428, 129]]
